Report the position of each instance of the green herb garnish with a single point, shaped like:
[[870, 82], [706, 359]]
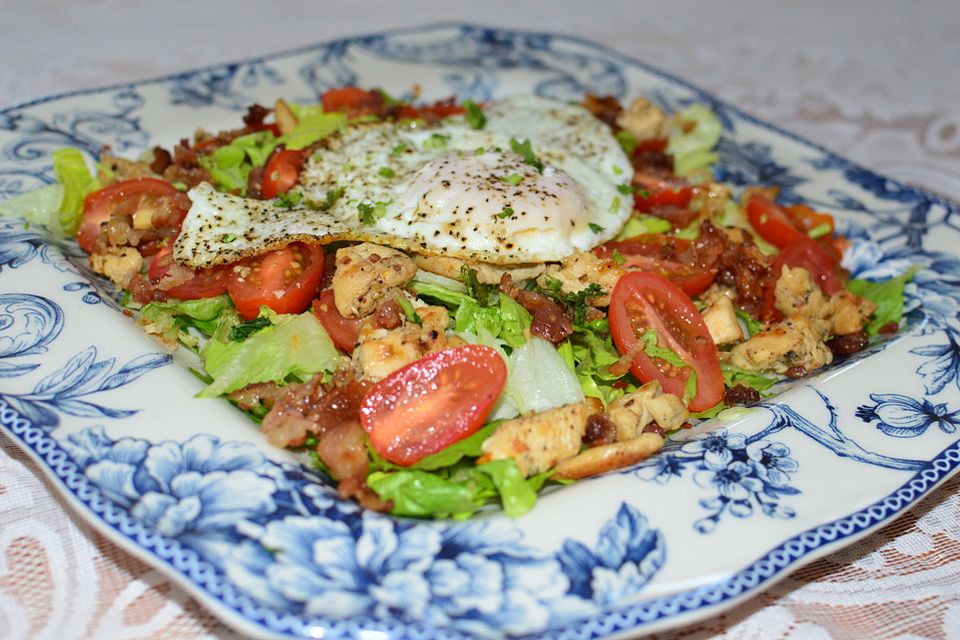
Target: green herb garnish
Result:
[[524, 149], [242, 331], [506, 213], [474, 115], [288, 200]]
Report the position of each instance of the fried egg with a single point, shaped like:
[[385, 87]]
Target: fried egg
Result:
[[541, 180]]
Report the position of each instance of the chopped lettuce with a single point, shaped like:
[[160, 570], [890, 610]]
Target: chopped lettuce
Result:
[[313, 124], [230, 165], [591, 351], [538, 380], [888, 296], [72, 172], [456, 492], [294, 346], [171, 321], [692, 147], [508, 321], [732, 376], [752, 325], [40, 206], [641, 224]]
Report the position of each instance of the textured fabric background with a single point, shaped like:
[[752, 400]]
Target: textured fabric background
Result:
[[876, 81]]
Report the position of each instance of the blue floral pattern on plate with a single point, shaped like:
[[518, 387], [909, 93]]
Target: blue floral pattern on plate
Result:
[[272, 549]]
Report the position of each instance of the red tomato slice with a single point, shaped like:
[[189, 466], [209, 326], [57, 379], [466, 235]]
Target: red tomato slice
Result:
[[660, 189], [343, 331], [127, 197], [643, 301], [431, 112], [433, 402], [205, 283], [771, 222], [649, 253], [286, 280], [354, 100], [281, 173], [806, 219]]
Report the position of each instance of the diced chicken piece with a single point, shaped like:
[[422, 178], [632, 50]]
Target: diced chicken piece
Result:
[[795, 342], [608, 457], [634, 411], [114, 169], [579, 271], [119, 264], [366, 273], [712, 197], [539, 441], [798, 295], [380, 352], [642, 118], [721, 320], [486, 273], [716, 291], [849, 312]]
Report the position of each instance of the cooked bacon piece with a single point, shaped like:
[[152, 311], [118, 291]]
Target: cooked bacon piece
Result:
[[343, 449], [161, 160], [312, 408], [738, 261], [259, 394], [605, 108], [550, 322], [255, 115]]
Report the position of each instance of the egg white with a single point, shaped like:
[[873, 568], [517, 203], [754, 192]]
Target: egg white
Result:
[[447, 189]]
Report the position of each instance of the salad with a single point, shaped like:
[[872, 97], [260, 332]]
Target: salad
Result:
[[451, 304]]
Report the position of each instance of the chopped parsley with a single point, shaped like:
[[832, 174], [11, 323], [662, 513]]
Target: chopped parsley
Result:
[[484, 294], [575, 303], [288, 200], [627, 141], [226, 238], [387, 172], [474, 115], [625, 189], [370, 213], [506, 213], [618, 257], [331, 199], [513, 178], [615, 205], [524, 149], [595, 227], [400, 148], [616, 170], [242, 331], [436, 141]]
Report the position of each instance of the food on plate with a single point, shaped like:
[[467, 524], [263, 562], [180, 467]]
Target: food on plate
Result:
[[452, 303]]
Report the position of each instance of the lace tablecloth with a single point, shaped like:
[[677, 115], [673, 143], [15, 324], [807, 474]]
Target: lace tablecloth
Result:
[[876, 81]]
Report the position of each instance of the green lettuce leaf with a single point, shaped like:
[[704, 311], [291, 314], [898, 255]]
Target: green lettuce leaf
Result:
[[295, 346], [507, 321], [40, 206], [888, 296], [732, 376], [72, 172], [456, 492], [230, 165], [172, 320], [314, 124], [641, 224], [692, 148], [593, 351]]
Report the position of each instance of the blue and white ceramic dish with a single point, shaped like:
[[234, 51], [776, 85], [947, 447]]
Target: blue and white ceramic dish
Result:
[[189, 486]]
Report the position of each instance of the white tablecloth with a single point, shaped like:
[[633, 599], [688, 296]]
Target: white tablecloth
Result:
[[876, 81]]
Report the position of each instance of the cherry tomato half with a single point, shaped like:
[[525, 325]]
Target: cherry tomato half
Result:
[[343, 331], [650, 253], [205, 283], [771, 222], [354, 100], [647, 301], [433, 402], [285, 280], [168, 206], [281, 172], [660, 189]]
